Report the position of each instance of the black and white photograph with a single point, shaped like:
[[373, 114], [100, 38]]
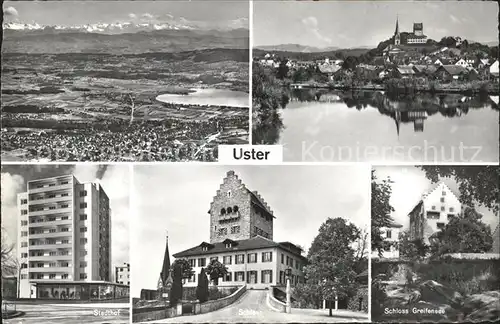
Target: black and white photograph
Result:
[[377, 81], [250, 244], [124, 80], [65, 244], [435, 244]]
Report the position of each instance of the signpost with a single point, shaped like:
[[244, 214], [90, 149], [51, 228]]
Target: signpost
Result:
[[288, 274]]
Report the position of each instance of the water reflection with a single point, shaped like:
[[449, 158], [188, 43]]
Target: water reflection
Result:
[[375, 120]]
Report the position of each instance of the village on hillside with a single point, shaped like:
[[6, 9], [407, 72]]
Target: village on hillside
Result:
[[452, 64]]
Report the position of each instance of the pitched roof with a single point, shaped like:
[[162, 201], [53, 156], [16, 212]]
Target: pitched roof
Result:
[[328, 68], [165, 270], [405, 69], [259, 201], [453, 69], [254, 243]]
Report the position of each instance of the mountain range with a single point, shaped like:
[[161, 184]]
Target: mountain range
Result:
[[119, 38]]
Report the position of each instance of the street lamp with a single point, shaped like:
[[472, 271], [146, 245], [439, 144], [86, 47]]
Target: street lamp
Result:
[[288, 274]]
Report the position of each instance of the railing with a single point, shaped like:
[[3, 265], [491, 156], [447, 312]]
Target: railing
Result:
[[275, 304]]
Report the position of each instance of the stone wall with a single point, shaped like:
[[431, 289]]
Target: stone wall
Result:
[[213, 305], [153, 314], [275, 303]]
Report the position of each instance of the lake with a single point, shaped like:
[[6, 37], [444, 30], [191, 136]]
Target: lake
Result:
[[374, 127], [211, 97]]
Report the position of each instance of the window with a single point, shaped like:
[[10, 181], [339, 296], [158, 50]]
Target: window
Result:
[[239, 276], [227, 259], [282, 258], [432, 215], [214, 259], [229, 210], [388, 234], [443, 208], [252, 277], [65, 242], [24, 212], [83, 205], [266, 276], [65, 194], [24, 223], [64, 264], [297, 264], [24, 244], [235, 209], [440, 225], [24, 201], [24, 255], [452, 209], [83, 217], [83, 240], [442, 199], [83, 276], [267, 256], [235, 229], [52, 207], [64, 276], [24, 233], [444, 193], [192, 278], [24, 276], [202, 262], [192, 262], [64, 229], [50, 196], [387, 248], [228, 245], [223, 211], [240, 259], [228, 276], [252, 258], [433, 207], [229, 193], [282, 277], [83, 193], [287, 260], [83, 264], [64, 206], [83, 229], [52, 276], [222, 231], [291, 262], [64, 217]]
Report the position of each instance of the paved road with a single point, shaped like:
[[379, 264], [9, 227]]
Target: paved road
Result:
[[252, 307], [71, 313]]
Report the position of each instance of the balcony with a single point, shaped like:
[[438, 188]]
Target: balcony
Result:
[[53, 234], [50, 269], [50, 246], [51, 211], [51, 258], [47, 188], [50, 200], [52, 224]]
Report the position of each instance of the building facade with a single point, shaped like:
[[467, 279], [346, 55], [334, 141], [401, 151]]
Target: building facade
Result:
[[390, 235], [64, 237], [241, 238], [433, 212], [122, 274], [416, 37]]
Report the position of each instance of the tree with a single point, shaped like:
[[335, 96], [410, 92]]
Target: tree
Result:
[[350, 63], [332, 259], [412, 249], [9, 261], [381, 211], [176, 289], [216, 270], [186, 269], [465, 233], [202, 288], [475, 183], [307, 295], [282, 70]]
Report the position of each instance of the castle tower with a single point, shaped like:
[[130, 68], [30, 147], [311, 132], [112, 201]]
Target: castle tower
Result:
[[418, 29], [237, 213], [397, 36]]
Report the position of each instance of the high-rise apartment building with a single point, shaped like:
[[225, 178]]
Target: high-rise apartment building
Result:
[[122, 274], [64, 238]]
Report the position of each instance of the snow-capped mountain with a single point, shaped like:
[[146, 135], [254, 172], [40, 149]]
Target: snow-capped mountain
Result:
[[112, 28]]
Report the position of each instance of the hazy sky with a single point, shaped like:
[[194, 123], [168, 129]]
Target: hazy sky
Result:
[[85, 12], [409, 185], [115, 182], [358, 23], [176, 198]]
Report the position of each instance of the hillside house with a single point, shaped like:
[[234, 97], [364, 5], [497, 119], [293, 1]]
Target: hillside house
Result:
[[404, 72], [494, 70], [462, 62], [448, 73]]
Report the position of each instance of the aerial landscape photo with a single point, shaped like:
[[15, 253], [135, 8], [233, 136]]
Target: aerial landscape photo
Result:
[[123, 80], [385, 81]]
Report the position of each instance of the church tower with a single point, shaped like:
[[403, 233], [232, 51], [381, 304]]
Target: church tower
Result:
[[236, 213], [397, 36]]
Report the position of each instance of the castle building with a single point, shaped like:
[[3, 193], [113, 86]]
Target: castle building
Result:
[[64, 241], [433, 212], [241, 238], [416, 37]]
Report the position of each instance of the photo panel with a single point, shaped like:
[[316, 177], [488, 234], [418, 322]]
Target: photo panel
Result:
[[377, 81], [435, 244], [124, 80], [65, 243], [250, 244]]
